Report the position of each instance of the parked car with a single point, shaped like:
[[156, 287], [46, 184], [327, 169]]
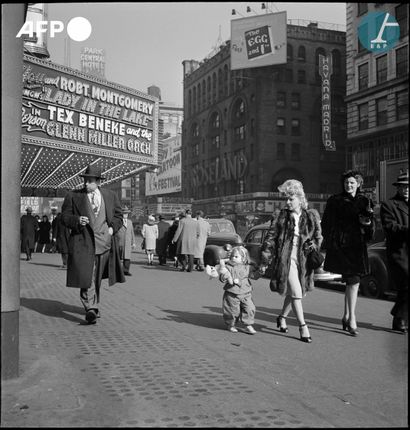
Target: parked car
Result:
[[253, 242], [378, 283], [221, 240]]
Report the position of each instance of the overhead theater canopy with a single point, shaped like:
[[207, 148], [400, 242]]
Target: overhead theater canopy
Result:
[[71, 119]]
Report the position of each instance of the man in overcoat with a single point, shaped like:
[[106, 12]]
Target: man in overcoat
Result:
[[126, 239], [162, 241], [188, 233], [94, 216], [204, 232], [28, 228], [394, 216]]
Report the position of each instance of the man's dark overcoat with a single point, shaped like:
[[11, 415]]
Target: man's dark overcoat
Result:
[[278, 244], [394, 215], [28, 228], [345, 239], [81, 245], [162, 241]]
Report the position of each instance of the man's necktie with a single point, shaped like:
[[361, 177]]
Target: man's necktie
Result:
[[94, 203]]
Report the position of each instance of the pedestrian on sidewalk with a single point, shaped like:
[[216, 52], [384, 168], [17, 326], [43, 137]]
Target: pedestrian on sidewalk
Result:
[[172, 247], [237, 303], [126, 240], [28, 229], [348, 224], [94, 216], [394, 215], [150, 235], [162, 241], [61, 238], [204, 232], [44, 234], [188, 233], [293, 234]]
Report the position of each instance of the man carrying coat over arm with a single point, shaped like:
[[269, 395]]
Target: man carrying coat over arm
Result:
[[94, 216]]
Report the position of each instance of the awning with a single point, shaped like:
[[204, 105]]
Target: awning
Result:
[[71, 119]]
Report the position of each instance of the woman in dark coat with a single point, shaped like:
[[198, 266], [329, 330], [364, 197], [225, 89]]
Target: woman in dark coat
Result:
[[44, 233], [172, 247], [293, 233], [347, 225]]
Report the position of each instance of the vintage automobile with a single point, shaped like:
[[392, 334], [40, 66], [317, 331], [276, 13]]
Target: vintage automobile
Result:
[[378, 283], [223, 232]]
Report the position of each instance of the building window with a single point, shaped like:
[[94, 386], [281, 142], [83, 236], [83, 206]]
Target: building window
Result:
[[216, 141], [402, 19], [301, 77], [336, 62], [281, 126], [281, 99], [363, 116], [289, 75], [381, 111], [295, 152], [277, 75], [295, 130], [195, 130], [239, 109], [295, 101], [401, 61], [252, 126], [280, 154], [402, 105], [302, 54], [289, 52], [361, 8], [215, 123], [381, 69], [363, 76], [360, 47], [240, 132], [196, 149]]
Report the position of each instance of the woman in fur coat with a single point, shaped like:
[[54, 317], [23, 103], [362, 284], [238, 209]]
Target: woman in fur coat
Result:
[[293, 234]]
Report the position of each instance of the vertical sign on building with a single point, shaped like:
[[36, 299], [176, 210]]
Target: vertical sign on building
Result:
[[93, 61], [325, 71]]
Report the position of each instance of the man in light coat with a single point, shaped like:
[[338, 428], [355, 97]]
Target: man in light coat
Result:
[[94, 216], [394, 215], [126, 240], [188, 233], [204, 232]]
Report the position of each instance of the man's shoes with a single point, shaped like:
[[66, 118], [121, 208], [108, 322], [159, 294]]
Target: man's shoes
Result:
[[399, 325], [127, 274], [249, 329], [182, 269], [91, 316]]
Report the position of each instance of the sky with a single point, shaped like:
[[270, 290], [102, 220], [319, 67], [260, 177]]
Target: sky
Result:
[[146, 43]]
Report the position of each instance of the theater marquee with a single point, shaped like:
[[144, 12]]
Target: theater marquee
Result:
[[66, 110]]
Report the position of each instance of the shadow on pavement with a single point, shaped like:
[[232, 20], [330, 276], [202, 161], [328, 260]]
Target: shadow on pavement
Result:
[[45, 264], [53, 308]]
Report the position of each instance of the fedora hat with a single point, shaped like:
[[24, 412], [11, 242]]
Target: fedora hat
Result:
[[29, 209], [125, 210], [402, 179], [92, 172]]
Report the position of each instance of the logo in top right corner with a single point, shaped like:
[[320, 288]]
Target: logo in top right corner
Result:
[[378, 31]]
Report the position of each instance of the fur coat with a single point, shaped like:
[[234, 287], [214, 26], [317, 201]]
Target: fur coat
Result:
[[277, 248]]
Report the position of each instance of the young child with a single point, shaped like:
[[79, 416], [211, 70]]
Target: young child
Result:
[[237, 303]]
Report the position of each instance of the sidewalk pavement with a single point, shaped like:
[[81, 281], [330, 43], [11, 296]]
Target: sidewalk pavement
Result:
[[160, 356]]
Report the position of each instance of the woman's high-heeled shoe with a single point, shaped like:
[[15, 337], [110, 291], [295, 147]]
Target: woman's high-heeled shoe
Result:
[[345, 325], [306, 339], [352, 331], [281, 328]]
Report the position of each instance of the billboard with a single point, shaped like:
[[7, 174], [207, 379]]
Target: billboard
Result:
[[258, 41], [325, 71], [92, 61], [168, 178], [67, 110]]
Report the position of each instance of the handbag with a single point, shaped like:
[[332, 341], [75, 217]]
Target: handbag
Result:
[[143, 243], [314, 259]]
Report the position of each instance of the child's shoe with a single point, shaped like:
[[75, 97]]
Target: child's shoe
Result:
[[249, 329], [232, 329]]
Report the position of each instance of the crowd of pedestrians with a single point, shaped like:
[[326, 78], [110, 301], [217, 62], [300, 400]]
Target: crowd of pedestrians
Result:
[[95, 238]]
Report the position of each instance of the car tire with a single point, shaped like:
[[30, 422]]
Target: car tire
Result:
[[376, 283]]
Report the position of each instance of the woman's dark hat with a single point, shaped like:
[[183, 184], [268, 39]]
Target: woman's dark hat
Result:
[[92, 172], [402, 179]]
